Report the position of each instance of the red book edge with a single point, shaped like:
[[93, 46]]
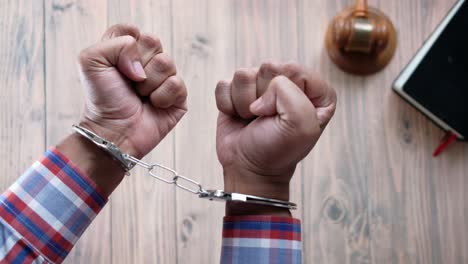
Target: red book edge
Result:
[[448, 139]]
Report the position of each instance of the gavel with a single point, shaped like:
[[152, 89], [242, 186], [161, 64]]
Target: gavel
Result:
[[361, 39]]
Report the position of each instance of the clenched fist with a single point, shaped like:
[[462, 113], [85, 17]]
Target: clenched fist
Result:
[[269, 120], [133, 96]]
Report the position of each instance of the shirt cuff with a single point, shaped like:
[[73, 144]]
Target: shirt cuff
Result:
[[51, 205], [261, 239]]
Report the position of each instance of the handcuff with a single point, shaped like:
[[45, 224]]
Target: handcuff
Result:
[[128, 162]]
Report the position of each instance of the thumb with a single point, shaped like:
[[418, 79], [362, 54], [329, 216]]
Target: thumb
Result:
[[120, 52], [286, 100]]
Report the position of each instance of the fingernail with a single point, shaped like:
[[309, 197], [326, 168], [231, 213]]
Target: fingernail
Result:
[[138, 68], [255, 106]]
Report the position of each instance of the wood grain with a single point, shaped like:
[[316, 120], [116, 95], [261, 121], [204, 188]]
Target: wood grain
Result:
[[369, 192], [334, 174], [22, 130], [143, 208], [415, 201], [204, 52], [377, 195], [71, 26]]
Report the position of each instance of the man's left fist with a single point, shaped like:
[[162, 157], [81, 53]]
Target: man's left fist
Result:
[[133, 96]]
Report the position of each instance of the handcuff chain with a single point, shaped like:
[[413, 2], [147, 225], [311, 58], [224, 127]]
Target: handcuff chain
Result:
[[190, 185], [127, 162]]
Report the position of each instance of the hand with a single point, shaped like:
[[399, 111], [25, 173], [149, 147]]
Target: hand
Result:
[[269, 120], [133, 96]]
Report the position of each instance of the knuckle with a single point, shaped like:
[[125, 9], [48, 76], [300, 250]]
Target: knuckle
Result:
[[269, 65], [123, 29], [296, 73], [85, 56], [333, 94], [151, 41], [328, 114], [122, 26], [175, 86], [333, 100], [221, 86], [222, 95], [293, 68], [244, 76], [163, 63], [330, 95], [269, 68], [129, 40]]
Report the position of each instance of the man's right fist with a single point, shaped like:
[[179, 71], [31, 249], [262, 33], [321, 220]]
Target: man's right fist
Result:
[[269, 120], [133, 96]]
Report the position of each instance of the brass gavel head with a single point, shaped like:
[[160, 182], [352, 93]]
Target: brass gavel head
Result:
[[361, 40], [359, 34]]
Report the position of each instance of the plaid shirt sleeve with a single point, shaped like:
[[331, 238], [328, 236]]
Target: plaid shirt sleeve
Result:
[[261, 239], [46, 210]]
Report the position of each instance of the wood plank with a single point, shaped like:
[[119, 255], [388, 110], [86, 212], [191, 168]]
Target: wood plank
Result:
[[371, 192], [204, 51], [71, 26], [22, 128], [384, 200], [335, 179], [416, 202], [143, 208]]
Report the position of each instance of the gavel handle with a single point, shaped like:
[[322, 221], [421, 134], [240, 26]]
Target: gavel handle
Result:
[[361, 8]]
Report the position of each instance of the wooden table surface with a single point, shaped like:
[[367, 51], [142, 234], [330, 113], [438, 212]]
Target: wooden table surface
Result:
[[369, 192]]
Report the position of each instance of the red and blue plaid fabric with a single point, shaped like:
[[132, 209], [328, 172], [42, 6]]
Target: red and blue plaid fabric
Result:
[[46, 210], [44, 213], [261, 239]]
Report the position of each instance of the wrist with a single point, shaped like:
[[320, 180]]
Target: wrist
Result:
[[241, 208], [246, 182], [115, 135], [93, 162]]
